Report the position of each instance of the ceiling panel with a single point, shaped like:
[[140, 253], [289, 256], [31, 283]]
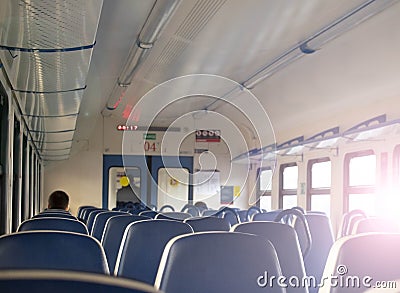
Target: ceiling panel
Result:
[[50, 24], [50, 104]]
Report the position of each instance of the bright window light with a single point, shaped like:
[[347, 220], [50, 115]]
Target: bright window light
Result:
[[362, 170]]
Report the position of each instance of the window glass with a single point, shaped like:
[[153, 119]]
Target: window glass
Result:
[[290, 177], [321, 203], [363, 201], [123, 186], [266, 180], [266, 202], [289, 201], [362, 170], [321, 174]]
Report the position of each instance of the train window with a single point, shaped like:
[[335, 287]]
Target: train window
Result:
[[3, 161], [118, 181], [360, 178], [288, 176], [265, 188], [396, 170], [173, 187], [24, 180], [319, 182], [16, 190]]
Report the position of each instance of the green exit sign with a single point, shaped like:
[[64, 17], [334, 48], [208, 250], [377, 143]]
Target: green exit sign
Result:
[[149, 136]]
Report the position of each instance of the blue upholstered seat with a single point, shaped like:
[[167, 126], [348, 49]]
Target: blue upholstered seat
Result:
[[375, 225], [100, 222], [42, 281], [143, 245], [54, 214], [50, 223], [216, 262], [92, 217], [179, 216], [374, 256], [322, 240], [268, 216], [150, 214], [113, 233], [52, 250], [285, 241], [202, 224]]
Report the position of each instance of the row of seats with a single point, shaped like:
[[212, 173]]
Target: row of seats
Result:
[[144, 249]]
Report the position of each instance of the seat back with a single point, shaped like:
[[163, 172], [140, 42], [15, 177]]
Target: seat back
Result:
[[142, 247], [202, 224], [178, 216], [100, 223], [21, 281], [218, 262], [268, 216], [86, 212], [52, 250], [50, 223], [112, 236], [367, 257], [209, 212], [322, 240], [150, 214], [243, 216], [54, 214], [92, 217], [286, 243], [81, 209], [344, 228], [365, 225]]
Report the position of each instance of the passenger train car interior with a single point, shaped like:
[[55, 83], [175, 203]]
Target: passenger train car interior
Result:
[[204, 145]]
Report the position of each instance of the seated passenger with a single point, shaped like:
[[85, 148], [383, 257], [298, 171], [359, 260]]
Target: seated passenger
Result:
[[58, 200]]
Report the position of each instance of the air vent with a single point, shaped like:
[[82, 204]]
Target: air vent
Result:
[[201, 13]]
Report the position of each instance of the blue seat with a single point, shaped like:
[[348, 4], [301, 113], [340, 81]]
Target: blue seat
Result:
[[286, 243], [112, 236], [202, 224], [50, 223], [322, 240], [52, 250], [54, 214], [179, 216], [243, 216], [375, 225], [22, 281], [209, 212], [268, 216], [348, 217], [369, 255], [86, 212], [216, 262], [91, 218], [229, 214], [150, 214], [100, 222], [142, 248], [81, 209]]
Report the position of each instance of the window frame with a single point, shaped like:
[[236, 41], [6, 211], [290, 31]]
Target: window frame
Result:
[[315, 191], [286, 192], [260, 192], [361, 189]]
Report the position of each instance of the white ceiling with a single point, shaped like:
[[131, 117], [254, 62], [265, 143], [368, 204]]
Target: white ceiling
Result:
[[358, 71]]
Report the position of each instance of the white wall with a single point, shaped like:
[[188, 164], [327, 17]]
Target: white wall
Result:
[[81, 175]]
